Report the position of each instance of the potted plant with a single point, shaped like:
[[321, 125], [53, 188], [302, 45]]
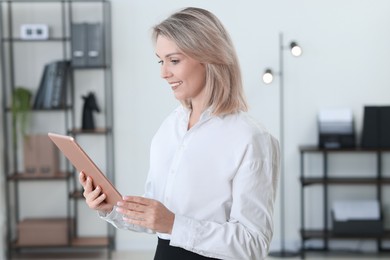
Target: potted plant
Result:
[[20, 108]]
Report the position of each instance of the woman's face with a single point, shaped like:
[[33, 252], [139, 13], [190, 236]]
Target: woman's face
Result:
[[185, 75]]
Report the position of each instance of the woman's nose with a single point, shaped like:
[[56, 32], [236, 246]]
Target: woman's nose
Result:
[[165, 72]]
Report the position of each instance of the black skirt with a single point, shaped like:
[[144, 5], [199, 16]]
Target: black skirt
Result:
[[166, 252]]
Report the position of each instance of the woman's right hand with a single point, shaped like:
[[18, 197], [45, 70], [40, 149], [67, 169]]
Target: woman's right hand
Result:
[[94, 197]]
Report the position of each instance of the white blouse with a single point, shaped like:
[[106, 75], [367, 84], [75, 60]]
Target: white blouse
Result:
[[219, 179]]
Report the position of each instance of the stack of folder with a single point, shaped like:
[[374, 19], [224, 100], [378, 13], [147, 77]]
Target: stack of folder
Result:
[[376, 127], [52, 89], [87, 45]]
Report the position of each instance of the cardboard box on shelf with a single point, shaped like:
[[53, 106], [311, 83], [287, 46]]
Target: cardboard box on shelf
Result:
[[45, 231], [40, 156]]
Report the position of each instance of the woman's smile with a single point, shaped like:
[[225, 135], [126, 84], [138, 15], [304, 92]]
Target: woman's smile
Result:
[[175, 85]]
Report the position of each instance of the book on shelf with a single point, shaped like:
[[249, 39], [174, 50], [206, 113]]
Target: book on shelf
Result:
[[52, 88], [49, 85], [38, 101], [58, 98]]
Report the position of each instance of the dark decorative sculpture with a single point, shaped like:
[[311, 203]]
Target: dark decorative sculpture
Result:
[[89, 106]]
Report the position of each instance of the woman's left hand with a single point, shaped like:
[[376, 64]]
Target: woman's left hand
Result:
[[147, 213]]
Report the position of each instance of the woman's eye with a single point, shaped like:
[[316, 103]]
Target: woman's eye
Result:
[[161, 62], [175, 61]]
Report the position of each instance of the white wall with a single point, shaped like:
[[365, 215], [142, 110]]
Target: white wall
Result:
[[345, 61]]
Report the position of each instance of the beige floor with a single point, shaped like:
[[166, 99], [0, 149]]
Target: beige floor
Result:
[[149, 256]]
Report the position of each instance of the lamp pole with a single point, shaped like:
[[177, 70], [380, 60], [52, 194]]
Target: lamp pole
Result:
[[283, 252]]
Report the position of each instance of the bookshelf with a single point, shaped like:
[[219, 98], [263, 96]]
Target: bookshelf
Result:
[[22, 63]]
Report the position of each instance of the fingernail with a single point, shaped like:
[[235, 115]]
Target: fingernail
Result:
[[119, 203]]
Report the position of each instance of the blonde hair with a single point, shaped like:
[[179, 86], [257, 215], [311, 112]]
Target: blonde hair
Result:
[[199, 34]]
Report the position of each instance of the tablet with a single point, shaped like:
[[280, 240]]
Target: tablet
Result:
[[81, 161]]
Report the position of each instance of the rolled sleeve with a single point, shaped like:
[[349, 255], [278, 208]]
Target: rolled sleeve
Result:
[[116, 219]]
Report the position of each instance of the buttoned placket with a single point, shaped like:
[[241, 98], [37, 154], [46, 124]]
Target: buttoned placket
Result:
[[177, 158], [174, 167]]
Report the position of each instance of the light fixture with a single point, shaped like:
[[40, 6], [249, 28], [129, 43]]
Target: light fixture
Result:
[[296, 51], [268, 76]]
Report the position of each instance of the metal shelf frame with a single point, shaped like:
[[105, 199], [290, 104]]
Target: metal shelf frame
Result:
[[8, 67], [325, 181]]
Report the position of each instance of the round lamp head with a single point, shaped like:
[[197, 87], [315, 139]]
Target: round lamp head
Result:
[[268, 76], [296, 50]]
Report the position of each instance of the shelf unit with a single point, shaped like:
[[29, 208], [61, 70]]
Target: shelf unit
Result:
[[60, 42], [325, 234]]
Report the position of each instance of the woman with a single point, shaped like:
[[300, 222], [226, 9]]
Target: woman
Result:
[[213, 172]]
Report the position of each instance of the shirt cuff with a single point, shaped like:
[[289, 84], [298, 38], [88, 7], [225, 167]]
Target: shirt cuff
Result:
[[109, 215], [183, 232]]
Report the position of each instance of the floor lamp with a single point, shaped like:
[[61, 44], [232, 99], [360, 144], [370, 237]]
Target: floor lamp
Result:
[[268, 76]]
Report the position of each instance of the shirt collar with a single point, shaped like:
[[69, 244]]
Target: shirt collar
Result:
[[207, 114], [184, 114]]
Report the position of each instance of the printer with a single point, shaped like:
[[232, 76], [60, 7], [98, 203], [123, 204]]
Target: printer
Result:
[[336, 128], [357, 217]]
